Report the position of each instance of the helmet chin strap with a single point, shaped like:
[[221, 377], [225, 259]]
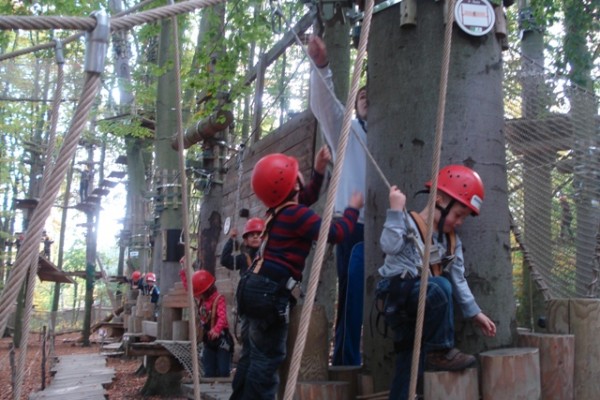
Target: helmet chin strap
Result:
[[444, 213]]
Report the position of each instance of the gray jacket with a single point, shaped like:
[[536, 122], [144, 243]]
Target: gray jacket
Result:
[[403, 257]]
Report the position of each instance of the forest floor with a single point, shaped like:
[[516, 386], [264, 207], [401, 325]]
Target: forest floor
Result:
[[126, 385]]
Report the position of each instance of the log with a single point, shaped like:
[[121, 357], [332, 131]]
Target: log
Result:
[[346, 373], [557, 362], [445, 385], [163, 364], [322, 390], [510, 374], [580, 317]]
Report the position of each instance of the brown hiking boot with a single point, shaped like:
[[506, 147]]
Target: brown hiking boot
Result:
[[448, 360]]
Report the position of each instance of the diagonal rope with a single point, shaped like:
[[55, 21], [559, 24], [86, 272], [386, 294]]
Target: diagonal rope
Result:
[[89, 23], [68, 39], [32, 273], [313, 283], [28, 252], [184, 205], [435, 167]]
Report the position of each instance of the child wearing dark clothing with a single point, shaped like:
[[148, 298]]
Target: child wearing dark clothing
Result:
[[264, 292], [249, 248], [460, 194]]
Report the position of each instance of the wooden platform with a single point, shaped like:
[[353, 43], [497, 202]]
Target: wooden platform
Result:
[[78, 377], [209, 391]]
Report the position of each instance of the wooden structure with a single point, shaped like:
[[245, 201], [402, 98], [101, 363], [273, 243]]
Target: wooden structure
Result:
[[510, 374], [557, 362], [445, 385], [78, 377], [581, 318]]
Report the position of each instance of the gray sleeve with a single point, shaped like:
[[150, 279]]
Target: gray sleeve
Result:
[[462, 293]]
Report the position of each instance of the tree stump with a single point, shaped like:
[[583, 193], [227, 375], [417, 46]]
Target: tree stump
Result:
[[322, 390], [448, 385], [557, 362], [580, 317], [510, 374], [346, 373]]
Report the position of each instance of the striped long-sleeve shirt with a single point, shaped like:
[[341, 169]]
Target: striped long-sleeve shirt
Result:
[[294, 229]]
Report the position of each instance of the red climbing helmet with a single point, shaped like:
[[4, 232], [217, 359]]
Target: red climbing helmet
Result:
[[135, 276], [274, 177], [201, 281], [462, 184], [150, 277], [254, 225]]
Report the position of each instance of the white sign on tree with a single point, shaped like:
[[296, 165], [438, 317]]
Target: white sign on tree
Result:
[[475, 17]]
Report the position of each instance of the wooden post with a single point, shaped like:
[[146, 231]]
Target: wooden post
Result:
[[445, 385], [408, 13], [557, 362], [510, 374], [322, 390], [181, 330], [580, 317], [346, 373]]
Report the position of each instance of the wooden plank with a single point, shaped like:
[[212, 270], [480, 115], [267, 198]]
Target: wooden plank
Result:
[[580, 317], [78, 377]]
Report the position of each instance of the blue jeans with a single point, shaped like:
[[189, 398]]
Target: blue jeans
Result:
[[438, 331], [264, 342], [348, 324], [216, 363]]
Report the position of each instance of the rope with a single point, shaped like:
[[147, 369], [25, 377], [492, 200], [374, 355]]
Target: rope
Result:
[[32, 270], [313, 283], [437, 150], [28, 252], [68, 39], [184, 206], [89, 23]]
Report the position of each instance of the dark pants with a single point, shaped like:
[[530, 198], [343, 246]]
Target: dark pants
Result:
[[216, 363], [438, 330], [348, 324], [263, 346]]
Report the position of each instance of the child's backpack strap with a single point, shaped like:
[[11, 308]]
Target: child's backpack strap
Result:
[[213, 313], [436, 269]]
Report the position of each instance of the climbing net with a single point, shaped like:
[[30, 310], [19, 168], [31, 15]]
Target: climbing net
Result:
[[182, 351], [553, 162]]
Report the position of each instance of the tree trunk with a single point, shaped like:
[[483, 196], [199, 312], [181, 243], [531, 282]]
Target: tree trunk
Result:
[[165, 262], [404, 77], [211, 220]]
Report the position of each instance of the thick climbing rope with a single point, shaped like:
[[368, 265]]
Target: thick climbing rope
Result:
[[184, 205], [315, 273], [32, 272], [435, 167], [117, 24], [68, 39]]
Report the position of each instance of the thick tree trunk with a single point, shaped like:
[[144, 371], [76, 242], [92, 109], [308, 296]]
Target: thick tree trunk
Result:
[[404, 77]]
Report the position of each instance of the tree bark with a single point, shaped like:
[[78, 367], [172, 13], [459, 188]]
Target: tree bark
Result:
[[404, 78]]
